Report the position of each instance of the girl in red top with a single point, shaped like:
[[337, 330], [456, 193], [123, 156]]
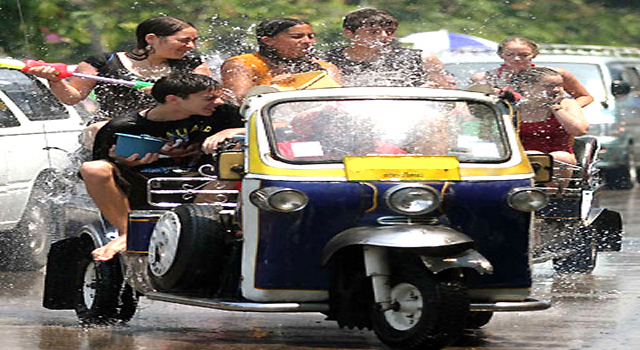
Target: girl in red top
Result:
[[548, 120]]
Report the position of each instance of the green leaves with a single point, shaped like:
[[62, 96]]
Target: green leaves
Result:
[[91, 26]]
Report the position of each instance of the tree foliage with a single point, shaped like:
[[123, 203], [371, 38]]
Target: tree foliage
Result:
[[70, 30]]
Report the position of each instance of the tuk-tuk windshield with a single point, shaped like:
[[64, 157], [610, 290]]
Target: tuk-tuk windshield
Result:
[[327, 131]]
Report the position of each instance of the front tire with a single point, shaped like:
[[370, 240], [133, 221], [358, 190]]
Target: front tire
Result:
[[429, 311]]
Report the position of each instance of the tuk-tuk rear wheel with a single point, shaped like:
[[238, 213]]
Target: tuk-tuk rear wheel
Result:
[[195, 259], [428, 311], [583, 258], [102, 296]]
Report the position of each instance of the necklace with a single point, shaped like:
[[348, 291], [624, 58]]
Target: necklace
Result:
[[147, 70]]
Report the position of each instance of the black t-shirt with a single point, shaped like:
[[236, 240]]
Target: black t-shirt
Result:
[[399, 67], [187, 131], [117, 99]]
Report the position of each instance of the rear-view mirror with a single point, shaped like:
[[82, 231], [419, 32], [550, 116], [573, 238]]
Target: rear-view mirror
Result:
[[230, 165]]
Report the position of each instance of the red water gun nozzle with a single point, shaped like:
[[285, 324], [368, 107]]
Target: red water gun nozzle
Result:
[[61, 68]]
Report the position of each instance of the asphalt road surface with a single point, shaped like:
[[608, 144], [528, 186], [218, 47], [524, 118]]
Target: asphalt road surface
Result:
[[597, 311]]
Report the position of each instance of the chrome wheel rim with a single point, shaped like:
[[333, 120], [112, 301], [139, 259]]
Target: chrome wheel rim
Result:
[[163, 244], [407, 304], [89, 285]]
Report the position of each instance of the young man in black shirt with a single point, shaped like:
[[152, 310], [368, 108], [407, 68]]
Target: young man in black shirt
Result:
[[190, 115], [374, 58]]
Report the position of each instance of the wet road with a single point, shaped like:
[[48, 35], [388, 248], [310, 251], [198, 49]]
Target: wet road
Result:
[[598, 311]]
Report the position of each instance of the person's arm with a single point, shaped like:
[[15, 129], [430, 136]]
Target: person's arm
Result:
[[68, 91], [203, 69], [569, 114], [479, 78], [334, 73], [574, 88], [434, 68], [237, 78]]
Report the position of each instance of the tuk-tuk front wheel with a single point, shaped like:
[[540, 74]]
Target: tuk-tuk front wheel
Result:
[[427, 311], [103, 298]]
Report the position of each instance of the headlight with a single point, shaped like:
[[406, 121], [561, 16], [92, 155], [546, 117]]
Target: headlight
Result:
[[412, 199], [527, 199], [279, 199]]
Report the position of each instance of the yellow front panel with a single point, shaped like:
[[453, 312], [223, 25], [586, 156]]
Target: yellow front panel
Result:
[[402, 168]]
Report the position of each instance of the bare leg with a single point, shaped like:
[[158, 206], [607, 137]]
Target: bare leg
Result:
[[112, 202], [89, 134], [564, 173]]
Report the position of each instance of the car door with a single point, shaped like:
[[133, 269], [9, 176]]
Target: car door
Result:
[[628, 105], [32, 120]]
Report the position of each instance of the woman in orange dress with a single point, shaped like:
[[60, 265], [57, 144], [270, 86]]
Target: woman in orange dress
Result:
[[285, 48]]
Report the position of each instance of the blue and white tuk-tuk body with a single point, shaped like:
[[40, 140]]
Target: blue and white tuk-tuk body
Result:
[[404, 210]]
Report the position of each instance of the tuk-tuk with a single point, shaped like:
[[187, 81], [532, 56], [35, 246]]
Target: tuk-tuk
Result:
[[407, 211]]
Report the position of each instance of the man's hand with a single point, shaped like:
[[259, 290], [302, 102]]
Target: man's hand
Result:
[[172, 149], [210, 144], [133, 160]]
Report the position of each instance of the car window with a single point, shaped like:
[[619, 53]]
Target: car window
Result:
[[31, 96], [589, 75], [464, 71], [7, 119], [631, 76]]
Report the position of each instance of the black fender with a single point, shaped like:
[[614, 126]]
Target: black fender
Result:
[[61, 272], [439, 247], [608, 230]]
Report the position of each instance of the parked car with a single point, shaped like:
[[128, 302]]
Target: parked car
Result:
[[611, 75], [36, 134]]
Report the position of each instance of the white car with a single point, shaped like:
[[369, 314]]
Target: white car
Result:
[[37, 134]]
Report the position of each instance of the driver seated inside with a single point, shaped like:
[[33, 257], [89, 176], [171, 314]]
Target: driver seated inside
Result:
[[329, 133], [191, 115]]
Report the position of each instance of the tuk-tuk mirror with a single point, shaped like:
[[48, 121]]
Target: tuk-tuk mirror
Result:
[[256, 90], [230, 165], [542, 165]]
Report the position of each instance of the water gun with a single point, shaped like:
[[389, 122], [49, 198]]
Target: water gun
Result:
[[63, 72]]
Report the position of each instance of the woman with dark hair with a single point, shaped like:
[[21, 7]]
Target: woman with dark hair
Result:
[[163, 46], [285, 48], [548, 121], [517, 54]]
